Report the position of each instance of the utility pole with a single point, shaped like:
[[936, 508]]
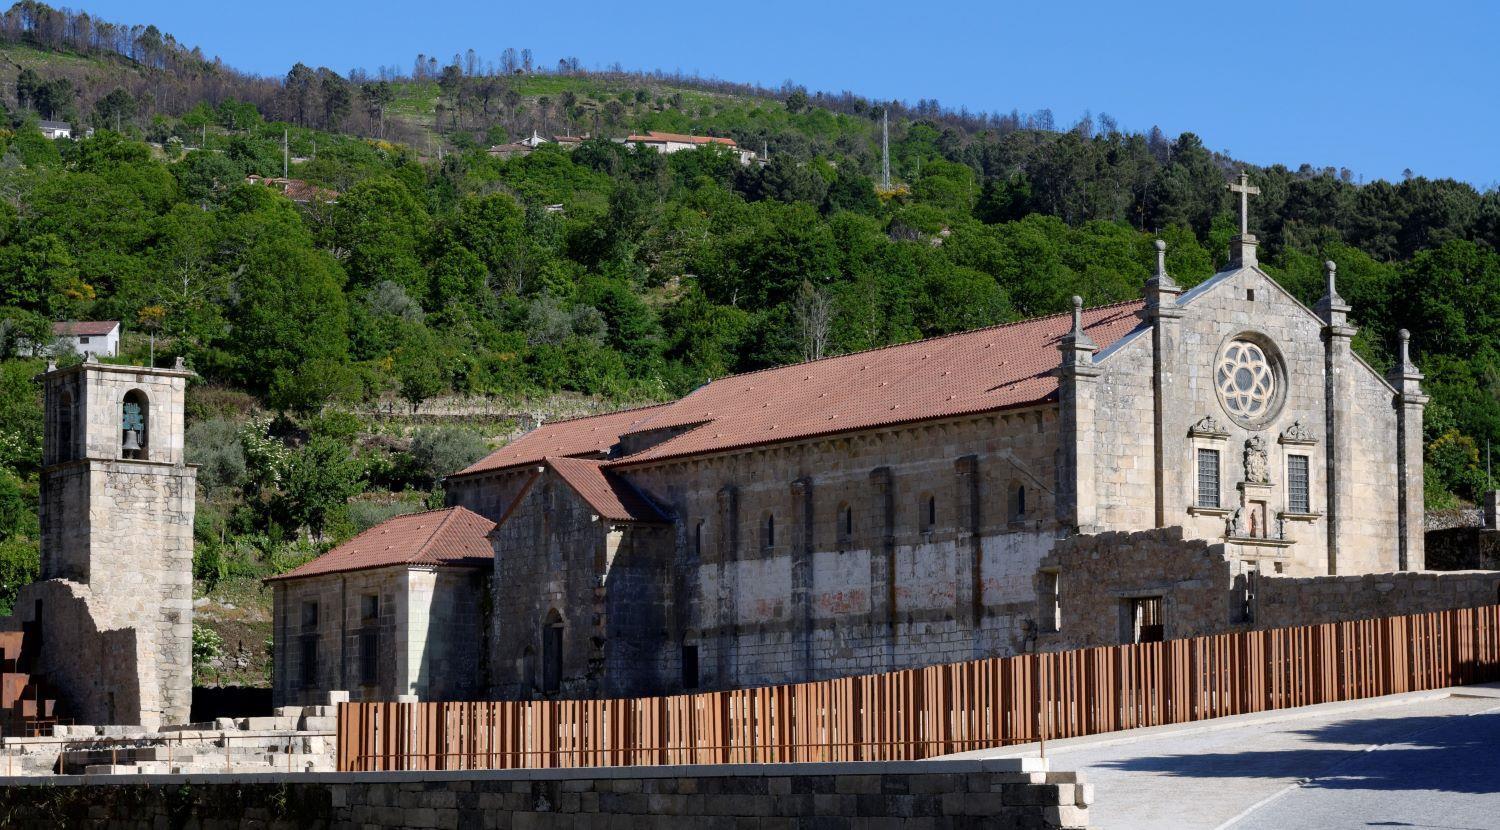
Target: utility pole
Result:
[[285, 155], [885, 148]]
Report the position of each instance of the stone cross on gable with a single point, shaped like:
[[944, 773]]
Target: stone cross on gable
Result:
[[1246, 190]]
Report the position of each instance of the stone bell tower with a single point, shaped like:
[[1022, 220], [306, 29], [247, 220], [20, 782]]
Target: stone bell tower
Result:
[[114, 609]]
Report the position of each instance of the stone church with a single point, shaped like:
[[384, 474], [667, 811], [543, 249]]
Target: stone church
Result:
[[944, 499]]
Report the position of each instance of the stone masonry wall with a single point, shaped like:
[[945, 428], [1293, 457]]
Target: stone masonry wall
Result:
[[337, 633], [1204, 590], [930, 794], [931, 563], [1281, 601]]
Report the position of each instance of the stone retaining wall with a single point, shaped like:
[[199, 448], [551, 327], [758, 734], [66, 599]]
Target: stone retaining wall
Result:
[[1283, 601], [1011, 793]]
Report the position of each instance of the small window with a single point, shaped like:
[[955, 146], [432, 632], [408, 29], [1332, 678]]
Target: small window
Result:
[[846, 523], [309, 660], [369, 656], [698, 538], [1250, 294], [1017, 501], [83, 340], [689, 666], [1208, 478], [552, 657], [369, 607], [1144, 621], [768, 532], [309, 616], [927, 513], [1296, 484]]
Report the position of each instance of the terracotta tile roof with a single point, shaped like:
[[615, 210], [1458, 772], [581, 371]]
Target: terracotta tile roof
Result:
[[589, 435], [977, 371], [610, 496], [654, 136], [84, 328], [451, 536]]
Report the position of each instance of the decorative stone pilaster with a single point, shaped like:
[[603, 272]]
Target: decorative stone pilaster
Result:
[[883, 565], [801, 533], [968, 543], [728, 555], [1410, 404], [1337, 409], [1077, 402], [1166, 326]]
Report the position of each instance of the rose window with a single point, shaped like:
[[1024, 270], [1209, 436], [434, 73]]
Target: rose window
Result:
[[1246, 381]]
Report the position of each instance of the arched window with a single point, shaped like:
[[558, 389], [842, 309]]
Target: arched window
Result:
[[768, 532], [927, 513], [1017, 501], [135, 414], [552, 657], [698, 538], [846, 523]]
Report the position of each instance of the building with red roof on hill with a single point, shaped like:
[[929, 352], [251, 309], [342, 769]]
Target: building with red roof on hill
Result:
[[1123, 473]]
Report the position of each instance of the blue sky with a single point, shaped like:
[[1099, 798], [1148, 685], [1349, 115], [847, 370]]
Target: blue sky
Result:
[[1377, 86]]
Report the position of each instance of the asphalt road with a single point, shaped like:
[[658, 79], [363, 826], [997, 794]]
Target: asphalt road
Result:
[[1424, 764]]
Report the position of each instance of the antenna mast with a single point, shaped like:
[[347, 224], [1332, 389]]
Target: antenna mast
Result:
[[885, 148]]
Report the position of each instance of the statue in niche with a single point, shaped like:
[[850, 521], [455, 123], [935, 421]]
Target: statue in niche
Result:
[[1232, 524], [1257, 469]]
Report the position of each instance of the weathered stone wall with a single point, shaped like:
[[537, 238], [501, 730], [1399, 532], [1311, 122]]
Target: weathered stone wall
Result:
[[929, 794], [1098, 575], [1206, 590], [340, 623], [489, 494], [1282, 601], [772, 581], [429, 635], [558, 564]]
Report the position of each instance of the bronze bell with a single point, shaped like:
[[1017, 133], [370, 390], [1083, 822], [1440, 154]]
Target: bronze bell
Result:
[[132, 443]]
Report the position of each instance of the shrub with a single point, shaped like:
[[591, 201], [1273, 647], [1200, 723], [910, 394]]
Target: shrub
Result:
[[441, 451], [215, 446]]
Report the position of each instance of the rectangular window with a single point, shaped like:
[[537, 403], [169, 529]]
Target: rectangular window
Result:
[[1144, 621], [1296, 484], [369, 607], [689, 666], [1208, 478], [369, 656], [83, 340], [309, 660], [309, 616]]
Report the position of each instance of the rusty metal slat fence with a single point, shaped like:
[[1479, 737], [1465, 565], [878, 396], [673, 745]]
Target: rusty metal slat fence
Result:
[[936, 710]]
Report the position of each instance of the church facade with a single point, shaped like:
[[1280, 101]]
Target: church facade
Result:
[[899, 507]]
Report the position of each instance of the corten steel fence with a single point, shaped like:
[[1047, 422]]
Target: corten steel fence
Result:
[[922, 713]]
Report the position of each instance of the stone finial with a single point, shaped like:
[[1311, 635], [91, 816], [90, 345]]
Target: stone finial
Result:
[[1332, 307], [1161, 289], [1076, 345], [179, 364], [1161, 258], [1405, 349], [1404, 375]]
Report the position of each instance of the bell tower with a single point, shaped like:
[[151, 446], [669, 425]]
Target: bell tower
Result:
[[117, 505]]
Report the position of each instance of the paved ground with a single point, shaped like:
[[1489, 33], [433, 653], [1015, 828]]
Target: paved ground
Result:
[[1425, 763]]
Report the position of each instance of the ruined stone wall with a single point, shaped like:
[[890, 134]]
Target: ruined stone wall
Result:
[[1282, 601], [890, 586], [1098, 575], [1206, 590], [94, 669]]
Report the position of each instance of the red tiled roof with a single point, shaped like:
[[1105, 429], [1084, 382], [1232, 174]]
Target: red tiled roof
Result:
[[451, 536], [604, 491], [653, 135], [589, 435], [977, 371], [83, 328]]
